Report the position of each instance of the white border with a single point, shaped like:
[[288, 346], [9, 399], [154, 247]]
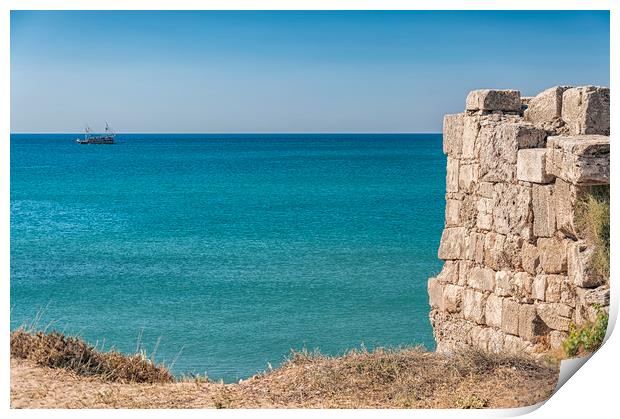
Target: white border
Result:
[[590, 392]]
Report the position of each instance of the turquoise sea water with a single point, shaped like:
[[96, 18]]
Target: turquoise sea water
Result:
[[228, 249]]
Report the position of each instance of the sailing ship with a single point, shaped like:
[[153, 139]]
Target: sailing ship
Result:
[[90, 138]]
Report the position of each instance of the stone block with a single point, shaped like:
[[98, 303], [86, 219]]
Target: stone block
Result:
[[585, 110], [510, 316], [453, 298], [452, 245], [453, 134], [557, 338], [453, 210], [449, 272], [482, 279], [580, 270], [568, 294], [556, 316], [565, 196], [543, 208], [484, 218], [494, 100], [521, 287], [515, 346], [546, 106], [538, 287], [474, 306], [435, 294], [493, 311], [580, 160], [468, 176], [496, 341], [471, 128], [553, 292], [499, 145], [501, 251], [553, 255], [530, 259], [474, 247], [530, 324], [503, 281], [512, 212], [452, 175], [531, 166]]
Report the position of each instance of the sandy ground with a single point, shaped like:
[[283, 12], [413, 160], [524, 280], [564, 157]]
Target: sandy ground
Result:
[[311, 385]]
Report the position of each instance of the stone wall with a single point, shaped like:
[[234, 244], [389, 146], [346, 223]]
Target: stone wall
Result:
[[516, 271]]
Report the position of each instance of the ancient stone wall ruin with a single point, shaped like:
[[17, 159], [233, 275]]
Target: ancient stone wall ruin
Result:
[[517, 272]]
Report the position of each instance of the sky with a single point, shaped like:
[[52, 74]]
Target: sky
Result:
[[287, 71]]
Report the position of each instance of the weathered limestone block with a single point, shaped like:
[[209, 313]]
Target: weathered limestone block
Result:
[[474, 306], [499, 144], [468, 211], [514, 345], [503, 283], [482, 279], [452, 244], [449, 272], [597, 296], [530, 324], [501, 251], [568, 294], [530, 259], [471, 128], [435, 293], [474, 247], [546, 106], [493, 311], [553, 291], [543, 207], [453, 134], [452, 175], [496, 341], [553, 255], [465, 266], [531, 166], [479, 338], [521, 287], [468, 176], [485, 189], [512, 210], [538, 287], [453, 212], [580, 271], [510, 316], [557, 338], [451, 333], [565, 196], [453, 298], [586, 110], [484, 218], [556, 316], [494, 100], [580, 160]]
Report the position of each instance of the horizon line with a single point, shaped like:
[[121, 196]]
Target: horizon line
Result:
[[241, 133]]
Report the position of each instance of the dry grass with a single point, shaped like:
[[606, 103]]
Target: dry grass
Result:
[[58, 351], [592, 221], [403, 378]]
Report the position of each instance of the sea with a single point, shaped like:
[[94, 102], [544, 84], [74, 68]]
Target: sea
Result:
[[221, 254]]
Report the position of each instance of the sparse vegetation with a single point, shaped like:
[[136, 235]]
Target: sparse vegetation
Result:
[[592, 221], [66, 372], [588, 337], [56, 350]]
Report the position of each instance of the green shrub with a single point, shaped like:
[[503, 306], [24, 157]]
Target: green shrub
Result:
[[587, 338]]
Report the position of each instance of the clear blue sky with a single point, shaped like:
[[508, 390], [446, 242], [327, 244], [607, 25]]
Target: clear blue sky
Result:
[[287, 71]]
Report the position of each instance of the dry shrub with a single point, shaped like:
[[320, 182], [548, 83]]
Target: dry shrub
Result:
[[56, 350], [592, 221]]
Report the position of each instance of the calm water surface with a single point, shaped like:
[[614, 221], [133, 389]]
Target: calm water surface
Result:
[[229, 249]]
